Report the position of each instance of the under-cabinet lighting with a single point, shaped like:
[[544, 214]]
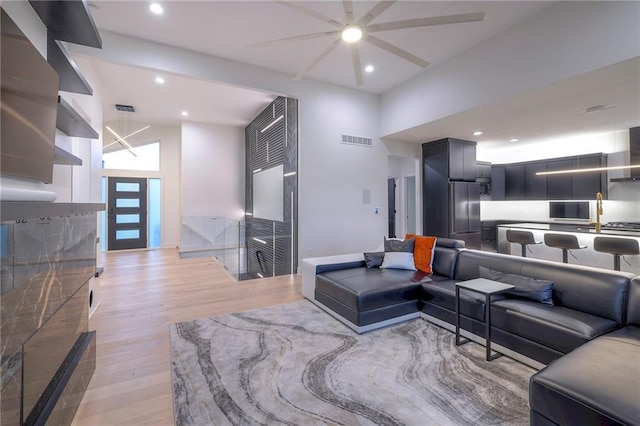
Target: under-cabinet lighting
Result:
[[260, 275], [593, 169], [289, 174], [272, 124], [259, 240], [257, 170]]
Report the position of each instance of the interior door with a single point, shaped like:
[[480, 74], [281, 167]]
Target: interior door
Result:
[[391, 194], [127, 204]]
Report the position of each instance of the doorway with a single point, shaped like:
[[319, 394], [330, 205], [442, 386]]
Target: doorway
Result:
[[410, 207], [391, 196], [127, 214]]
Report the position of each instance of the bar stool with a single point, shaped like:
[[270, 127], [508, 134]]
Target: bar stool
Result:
[[617, 247], [565, 242], [524, 238]]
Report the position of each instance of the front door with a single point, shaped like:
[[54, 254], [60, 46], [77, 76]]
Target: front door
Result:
[[127, 204]]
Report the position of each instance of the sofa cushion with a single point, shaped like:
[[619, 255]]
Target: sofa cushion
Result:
[[398, 260], [443, 293], [525, 287], [363, 289], [373, 259], [423, 252], [596, 384], [633, 303], [596, 291], [557, 327]]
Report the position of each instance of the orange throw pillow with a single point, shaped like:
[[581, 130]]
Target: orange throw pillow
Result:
[[423, 252]]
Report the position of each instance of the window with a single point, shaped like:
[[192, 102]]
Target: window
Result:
[[147, 157]]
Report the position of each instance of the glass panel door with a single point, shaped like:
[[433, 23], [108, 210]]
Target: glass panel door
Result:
[[127, 204]]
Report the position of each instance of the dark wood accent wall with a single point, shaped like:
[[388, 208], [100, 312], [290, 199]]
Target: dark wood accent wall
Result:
[[272, 246]]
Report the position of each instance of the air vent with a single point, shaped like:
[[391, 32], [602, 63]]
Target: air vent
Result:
[[357, 140]]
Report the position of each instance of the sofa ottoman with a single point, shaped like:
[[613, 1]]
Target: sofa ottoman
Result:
[[365, 296]]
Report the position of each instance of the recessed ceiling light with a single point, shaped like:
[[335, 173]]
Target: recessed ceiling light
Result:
[[369, 68], [156, 8], [477, 133], [352, 33], [159, 80], [184, 113], [514, 140]]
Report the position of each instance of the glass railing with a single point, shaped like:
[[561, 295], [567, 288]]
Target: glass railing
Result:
[[220, 237]]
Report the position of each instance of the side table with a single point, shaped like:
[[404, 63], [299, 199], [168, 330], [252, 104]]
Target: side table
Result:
[[487, 288]]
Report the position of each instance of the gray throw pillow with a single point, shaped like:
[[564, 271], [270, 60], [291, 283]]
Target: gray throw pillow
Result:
[[525, 287], [399, 245], [374, 259]]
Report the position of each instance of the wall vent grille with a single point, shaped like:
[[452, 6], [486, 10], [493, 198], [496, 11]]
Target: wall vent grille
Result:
[[357, 140]]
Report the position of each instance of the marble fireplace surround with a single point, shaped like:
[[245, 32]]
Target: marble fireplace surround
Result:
[[48, 255]]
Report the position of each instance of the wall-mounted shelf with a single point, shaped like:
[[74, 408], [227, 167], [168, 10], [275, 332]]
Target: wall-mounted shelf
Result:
[[71, 80], [62, 157], [68, 21], [71, 123]]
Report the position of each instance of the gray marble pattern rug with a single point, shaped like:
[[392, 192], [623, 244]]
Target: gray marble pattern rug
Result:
[[294, 364]]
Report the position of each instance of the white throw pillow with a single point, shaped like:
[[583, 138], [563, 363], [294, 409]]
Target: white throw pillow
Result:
[[398, 260]]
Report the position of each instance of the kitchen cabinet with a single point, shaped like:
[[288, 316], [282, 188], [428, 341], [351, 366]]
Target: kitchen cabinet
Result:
[[497, 183], [519, 181], [559, 186], [535, 187], [462, 160], [514, 182], [584, 186]]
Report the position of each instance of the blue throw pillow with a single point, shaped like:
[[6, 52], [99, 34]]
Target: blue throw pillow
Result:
[[525, 287]]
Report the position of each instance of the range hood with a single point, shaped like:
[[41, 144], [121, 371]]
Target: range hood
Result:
[[634, 156]]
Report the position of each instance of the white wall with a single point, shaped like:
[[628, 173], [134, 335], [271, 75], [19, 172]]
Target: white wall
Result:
[[566, 39], [170, 166], [332, 217], [213, 168]]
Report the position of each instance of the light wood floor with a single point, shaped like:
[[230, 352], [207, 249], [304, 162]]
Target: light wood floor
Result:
[[141, 293]]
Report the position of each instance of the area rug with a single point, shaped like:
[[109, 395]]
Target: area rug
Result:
[[294, 364]]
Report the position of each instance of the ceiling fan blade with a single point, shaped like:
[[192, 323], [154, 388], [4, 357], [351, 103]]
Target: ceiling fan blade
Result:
[[396, 51], [294, 38], [310, 12], [427, 22], [324, 53], [375, 12], [357, 67], [348, 10]]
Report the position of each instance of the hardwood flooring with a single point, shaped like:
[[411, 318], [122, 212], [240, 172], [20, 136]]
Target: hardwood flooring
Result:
[[141, 294]]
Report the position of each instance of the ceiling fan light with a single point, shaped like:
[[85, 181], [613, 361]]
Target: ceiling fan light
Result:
[[352, 33]]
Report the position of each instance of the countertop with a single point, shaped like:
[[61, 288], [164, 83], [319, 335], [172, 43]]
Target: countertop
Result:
[[565, 227], [15, 210]]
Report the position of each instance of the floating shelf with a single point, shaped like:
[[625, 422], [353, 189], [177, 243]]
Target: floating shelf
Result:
[[62, 157], [68, 21], [71, 123], [71, 80]]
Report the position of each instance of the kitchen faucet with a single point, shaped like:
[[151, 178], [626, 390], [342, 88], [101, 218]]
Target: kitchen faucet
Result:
[[599, 211]]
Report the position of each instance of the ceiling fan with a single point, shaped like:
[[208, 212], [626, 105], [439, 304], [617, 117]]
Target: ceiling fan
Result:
[[355, 30]]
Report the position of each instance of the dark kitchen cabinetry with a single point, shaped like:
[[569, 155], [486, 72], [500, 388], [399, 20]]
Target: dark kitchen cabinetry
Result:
[[462, 159], [514, 182], [584, 186], [559, 186], [451, 196], [521, 182], [535, 187], [498, 183]]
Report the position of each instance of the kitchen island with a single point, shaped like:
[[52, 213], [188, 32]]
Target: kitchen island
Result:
[[585, 234]]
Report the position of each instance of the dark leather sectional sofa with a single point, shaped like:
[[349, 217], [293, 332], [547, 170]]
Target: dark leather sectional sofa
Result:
[[590, 335]]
